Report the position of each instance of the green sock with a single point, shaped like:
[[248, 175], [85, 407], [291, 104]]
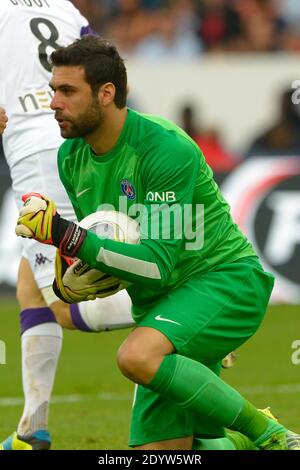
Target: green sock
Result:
[[255, 424], [194, 386], [197, 388], [234, 441], [221, 443], [239, 441], [273, 428]]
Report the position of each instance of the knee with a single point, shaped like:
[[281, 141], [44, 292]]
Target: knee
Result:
[[137, 365], [28, 293], [131, 363], [29, 297]]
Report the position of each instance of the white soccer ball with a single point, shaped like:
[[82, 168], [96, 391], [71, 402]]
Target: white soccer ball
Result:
[[113, 225], [81, 282]]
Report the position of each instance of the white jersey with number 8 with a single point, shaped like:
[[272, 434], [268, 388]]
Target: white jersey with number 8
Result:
[[39, 27]]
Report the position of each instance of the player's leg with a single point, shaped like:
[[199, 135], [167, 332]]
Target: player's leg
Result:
[[219, 312], [107, 314], [204, 433], [41, 339], [233, 441], [213, 444], [192, 385], [41, 344], [237, 441], [172, 444], [41, 334], [158, 423]]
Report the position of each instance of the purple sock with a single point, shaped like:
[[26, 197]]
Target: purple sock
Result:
[[31, 317], [77, 319]]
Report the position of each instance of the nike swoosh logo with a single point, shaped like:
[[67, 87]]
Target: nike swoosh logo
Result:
[[159, 317], [82, 192]]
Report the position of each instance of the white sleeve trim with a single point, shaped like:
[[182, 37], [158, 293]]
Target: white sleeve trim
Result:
[[128, 264]]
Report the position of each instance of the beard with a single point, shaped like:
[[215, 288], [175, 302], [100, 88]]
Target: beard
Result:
[[84, 124]]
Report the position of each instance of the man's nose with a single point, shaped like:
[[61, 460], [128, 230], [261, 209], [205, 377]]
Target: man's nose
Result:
[[56, 103]]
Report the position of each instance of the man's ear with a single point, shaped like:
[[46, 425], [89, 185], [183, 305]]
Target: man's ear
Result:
[[106, 94]]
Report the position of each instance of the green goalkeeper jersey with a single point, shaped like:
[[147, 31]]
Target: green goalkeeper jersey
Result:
[[158, 174]]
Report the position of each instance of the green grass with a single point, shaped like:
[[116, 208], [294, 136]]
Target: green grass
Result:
[[87, 369]]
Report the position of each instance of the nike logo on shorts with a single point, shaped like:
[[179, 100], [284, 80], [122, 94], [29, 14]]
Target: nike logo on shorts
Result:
[[159, 317]]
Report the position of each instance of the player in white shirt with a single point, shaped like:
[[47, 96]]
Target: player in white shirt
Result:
[[30, 31]]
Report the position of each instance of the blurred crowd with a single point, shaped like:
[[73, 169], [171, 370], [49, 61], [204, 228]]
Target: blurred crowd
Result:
[[184, 29], [282, 137]]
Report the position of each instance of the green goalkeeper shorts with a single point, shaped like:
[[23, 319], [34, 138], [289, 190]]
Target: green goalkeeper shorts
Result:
[[205, 319]]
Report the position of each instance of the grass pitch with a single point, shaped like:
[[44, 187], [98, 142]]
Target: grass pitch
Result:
[[92, 401]]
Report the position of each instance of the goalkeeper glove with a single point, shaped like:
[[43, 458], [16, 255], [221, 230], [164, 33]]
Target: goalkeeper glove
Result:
[[77, 282], [39, 220]]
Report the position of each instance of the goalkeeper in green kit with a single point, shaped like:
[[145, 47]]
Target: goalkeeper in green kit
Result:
[[197, 287]]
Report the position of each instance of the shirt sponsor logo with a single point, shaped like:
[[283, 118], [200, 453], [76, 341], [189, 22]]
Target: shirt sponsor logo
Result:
[[36, 100], [166, 196], [128, 189]]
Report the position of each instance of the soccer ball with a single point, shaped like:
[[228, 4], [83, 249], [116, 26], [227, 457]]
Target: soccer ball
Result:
[[113, 225], [75, 281]]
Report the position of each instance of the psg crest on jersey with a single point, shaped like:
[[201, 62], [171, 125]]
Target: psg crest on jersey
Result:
[[128, 189]]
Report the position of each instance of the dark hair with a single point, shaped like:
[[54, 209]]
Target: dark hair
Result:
[[101, 62]]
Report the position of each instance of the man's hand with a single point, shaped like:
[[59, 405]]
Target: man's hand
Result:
[[39, 220], [36, 218], [3, 120], [76, 282]]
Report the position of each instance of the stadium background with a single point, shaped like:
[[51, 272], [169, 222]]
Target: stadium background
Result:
[[226, 71]]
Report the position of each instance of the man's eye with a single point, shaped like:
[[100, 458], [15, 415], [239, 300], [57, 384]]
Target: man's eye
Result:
[[67, 91]]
